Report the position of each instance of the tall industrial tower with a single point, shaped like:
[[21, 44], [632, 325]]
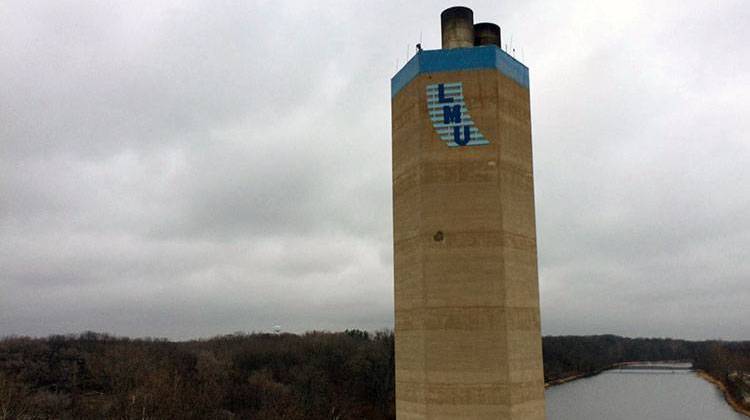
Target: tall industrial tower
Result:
[[468, 343]]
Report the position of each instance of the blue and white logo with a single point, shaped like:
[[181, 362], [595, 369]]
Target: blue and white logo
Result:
[[449, 116]]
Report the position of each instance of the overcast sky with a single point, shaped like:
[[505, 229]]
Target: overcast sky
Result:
[[182, 169]]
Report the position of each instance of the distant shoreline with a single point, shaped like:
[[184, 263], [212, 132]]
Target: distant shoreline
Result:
[[571, 378]]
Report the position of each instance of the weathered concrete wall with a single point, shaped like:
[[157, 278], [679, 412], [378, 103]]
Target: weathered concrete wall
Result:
[[468, 343]]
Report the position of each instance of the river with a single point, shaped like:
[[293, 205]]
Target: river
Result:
[[639, 393]]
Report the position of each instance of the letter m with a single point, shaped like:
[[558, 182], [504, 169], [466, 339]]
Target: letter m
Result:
[[452, 114]]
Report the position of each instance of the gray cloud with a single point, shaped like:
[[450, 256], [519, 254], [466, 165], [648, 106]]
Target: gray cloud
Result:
[[192, 169]]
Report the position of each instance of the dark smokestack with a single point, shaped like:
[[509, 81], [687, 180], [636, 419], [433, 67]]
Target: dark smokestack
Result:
[[486, 33], [457, 24]]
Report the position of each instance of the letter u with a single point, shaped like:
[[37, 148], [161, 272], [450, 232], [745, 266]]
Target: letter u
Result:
[[457, 135]]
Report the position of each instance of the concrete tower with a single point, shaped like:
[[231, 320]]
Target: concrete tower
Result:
[[468, 342]]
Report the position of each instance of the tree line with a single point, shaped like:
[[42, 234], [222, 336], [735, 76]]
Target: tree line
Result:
[[317, 375]]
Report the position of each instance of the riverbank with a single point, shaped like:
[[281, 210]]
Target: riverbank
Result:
[[727, 395], [567, 379], [571, 378]]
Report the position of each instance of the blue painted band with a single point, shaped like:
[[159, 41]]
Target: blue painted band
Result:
[[475, 58]]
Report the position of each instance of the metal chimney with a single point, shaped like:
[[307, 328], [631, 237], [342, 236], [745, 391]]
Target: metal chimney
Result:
[[486, 33], [457, 24]]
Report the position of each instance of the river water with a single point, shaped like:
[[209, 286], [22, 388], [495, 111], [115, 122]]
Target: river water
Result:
[[639, 394]]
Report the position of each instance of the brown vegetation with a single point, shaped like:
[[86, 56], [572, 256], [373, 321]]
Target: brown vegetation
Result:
[[261, 376]]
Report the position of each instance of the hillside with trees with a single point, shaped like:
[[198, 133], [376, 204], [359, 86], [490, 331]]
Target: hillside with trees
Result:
[[318, 375]]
